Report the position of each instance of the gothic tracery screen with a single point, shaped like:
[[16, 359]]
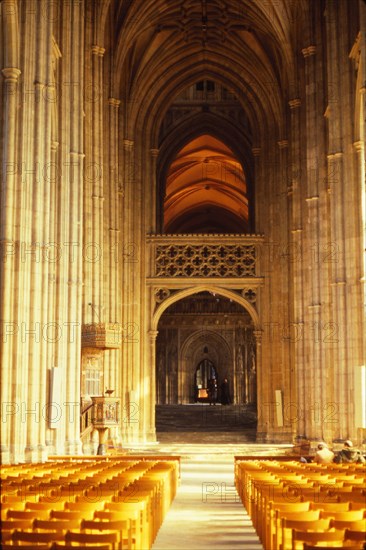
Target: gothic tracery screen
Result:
[[205, 260]]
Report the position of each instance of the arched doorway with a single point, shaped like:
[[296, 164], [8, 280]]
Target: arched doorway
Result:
[[205, 372], [202, 336]]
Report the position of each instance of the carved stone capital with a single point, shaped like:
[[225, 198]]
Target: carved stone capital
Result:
[[113, 102], [294, 103], [309, 51], [359, 146], [98, 50], [258, 334], [11, 74], [153, 335], [128, 144]]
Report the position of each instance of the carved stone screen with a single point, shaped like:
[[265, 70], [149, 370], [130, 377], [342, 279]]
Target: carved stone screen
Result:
[[215, 260]]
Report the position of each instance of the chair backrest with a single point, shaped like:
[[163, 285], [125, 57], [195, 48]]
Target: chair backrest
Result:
[[330, 506], [111, 525], [11, 524], [62, 546], [35, 536], [28, 546], [355, 535], [86, 538], [313, 525], [67, 515], [351, 515], [83, 506], [348, 524], [116, 515], [283, 507], [28, 514], [317, 547], [57, 524], [314, 537], [309, 515]]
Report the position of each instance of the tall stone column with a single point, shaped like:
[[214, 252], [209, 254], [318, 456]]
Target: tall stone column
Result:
[[112, 255], [72, 158], [94, 194], [345, 217], [151, 381], [285, 296], [8, 263], [312, 296], [152, 196], [257, 172], [313, 240], [131, 382], [298, 396], [263, 411], [33, 221]]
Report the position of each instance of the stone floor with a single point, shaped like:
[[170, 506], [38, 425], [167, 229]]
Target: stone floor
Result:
[[207, 512]]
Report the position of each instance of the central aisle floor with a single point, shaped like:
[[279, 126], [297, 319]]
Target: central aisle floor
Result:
[[207, 512]]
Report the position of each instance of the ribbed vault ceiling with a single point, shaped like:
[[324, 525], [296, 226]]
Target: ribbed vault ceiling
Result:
[[161, 48], [205, 186]]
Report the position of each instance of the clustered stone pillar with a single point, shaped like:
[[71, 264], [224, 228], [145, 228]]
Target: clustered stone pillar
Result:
[[72, 47], [9, 236], [345, 195], [297, 268], [131, 387], [312, 236], [112, 256]]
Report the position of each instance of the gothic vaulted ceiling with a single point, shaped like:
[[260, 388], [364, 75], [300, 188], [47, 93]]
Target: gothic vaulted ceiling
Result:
[[159, 49], [163, 46]]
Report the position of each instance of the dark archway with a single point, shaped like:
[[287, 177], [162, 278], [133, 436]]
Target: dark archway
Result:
[[205, 371]]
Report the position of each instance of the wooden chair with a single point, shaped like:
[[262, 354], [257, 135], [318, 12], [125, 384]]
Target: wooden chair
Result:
[[354, 535], [6, 499], [28, 514], [57, 524], [317, 547], [61, 546], [309, 524], [351, 497], [36, 537], [348, 524], [84, 507], [350, 515], [85, 539], [122, 526], [330, 506], [133, 515], [28, 546], [66, 515], [272, 519], [12, 524], [315, 537], [44, 505]]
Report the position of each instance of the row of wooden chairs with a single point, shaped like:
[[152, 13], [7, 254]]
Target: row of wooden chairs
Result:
[[317, 499], [122, 505]]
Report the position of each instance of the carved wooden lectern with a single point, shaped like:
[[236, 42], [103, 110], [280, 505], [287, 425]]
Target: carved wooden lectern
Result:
[[106, 413]]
